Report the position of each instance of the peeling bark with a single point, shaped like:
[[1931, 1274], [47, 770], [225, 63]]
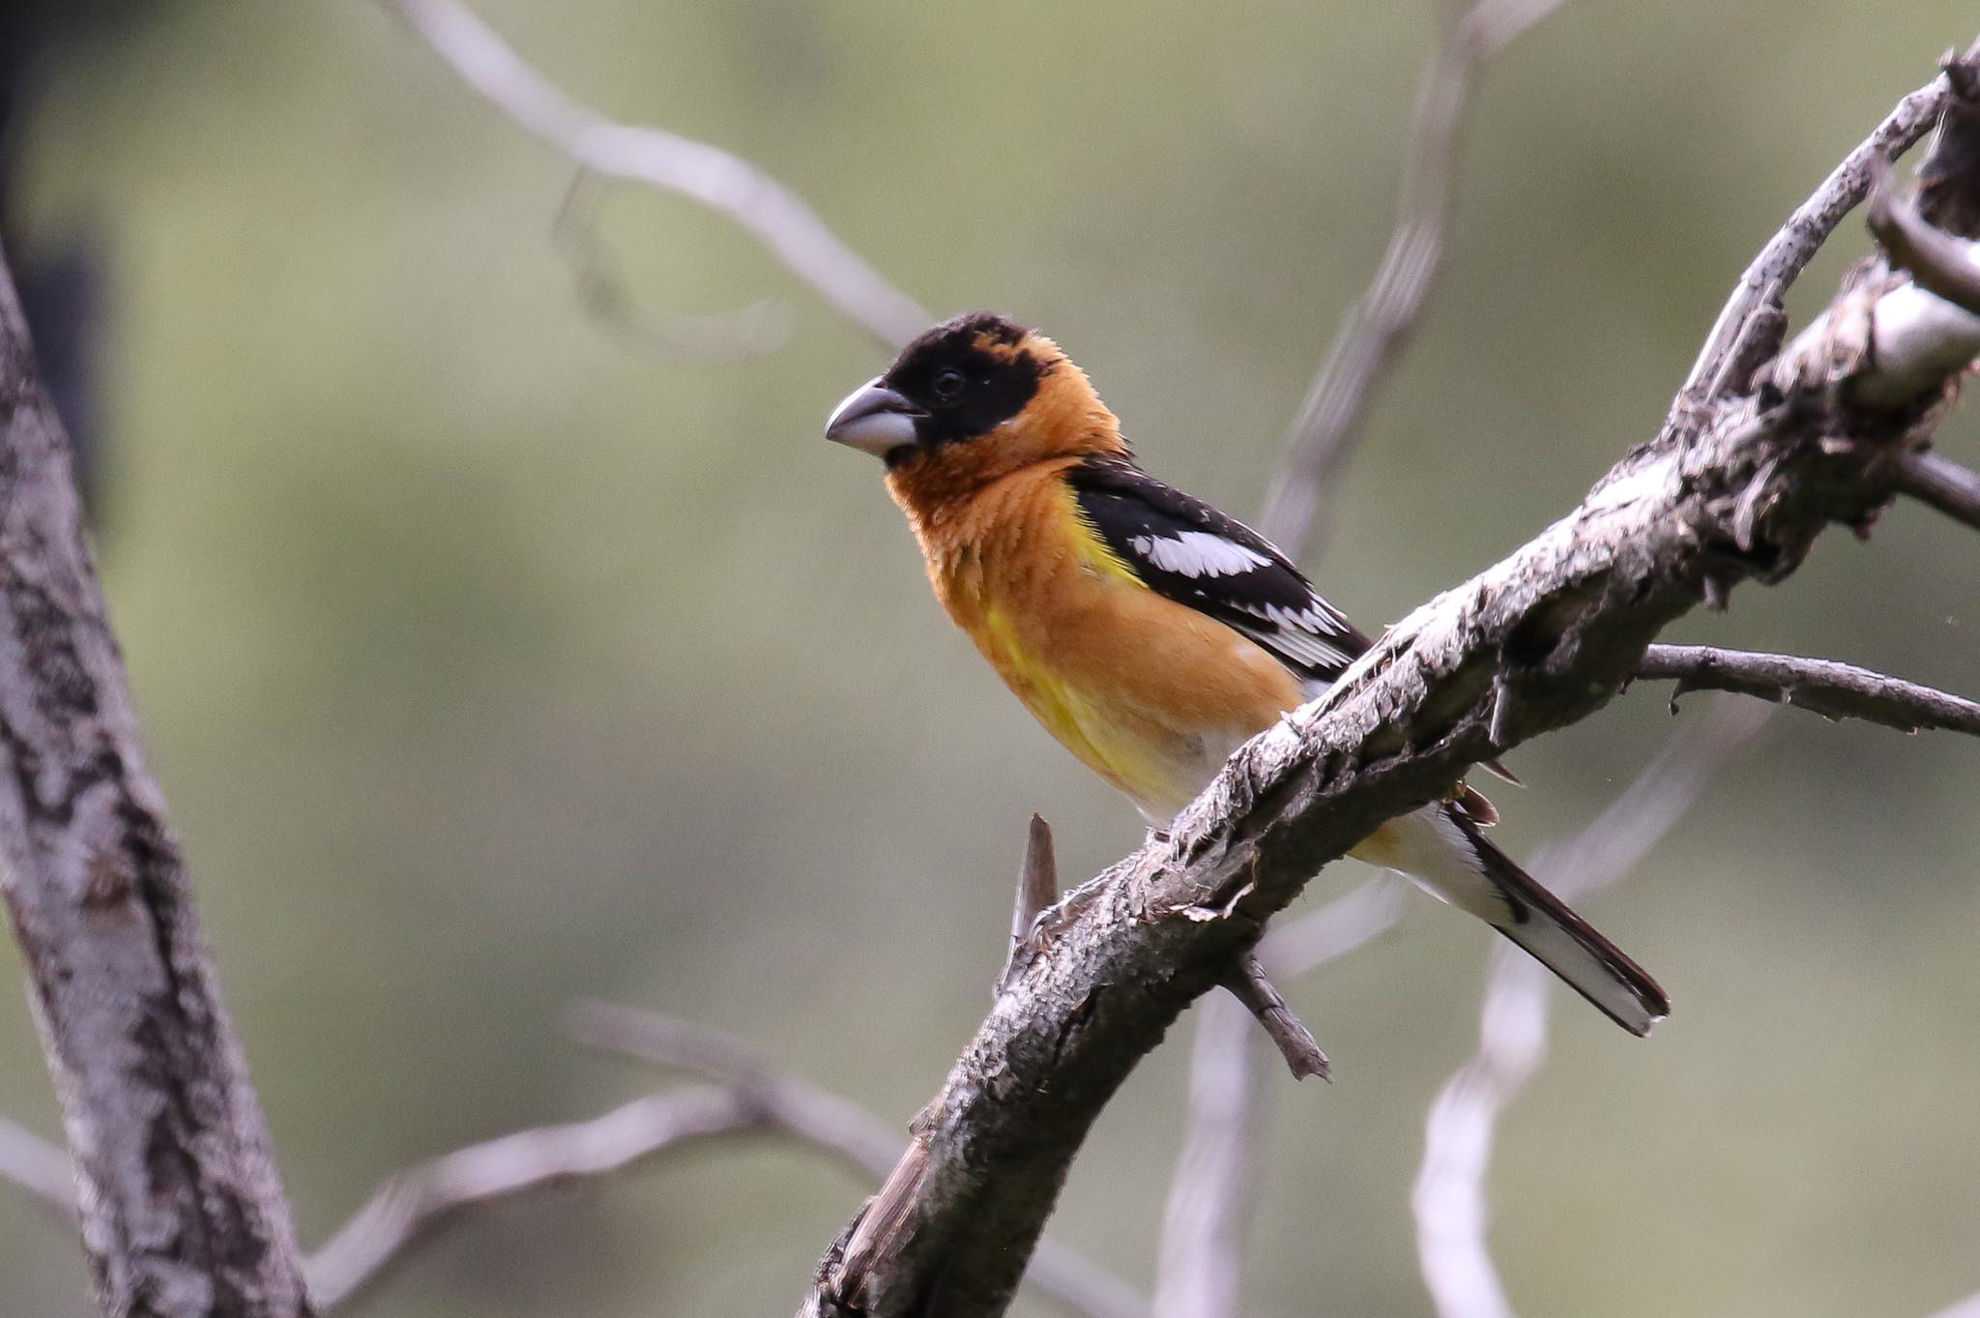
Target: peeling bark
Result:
[[182, 1209]]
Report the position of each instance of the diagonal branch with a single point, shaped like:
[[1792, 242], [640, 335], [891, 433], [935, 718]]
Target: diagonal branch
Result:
[[1943, 265], [1750, 324], [179, 1195], [750, 1096], [421, 1198], [1376, 330], [815, 1115], [776, 216], [1934, 479], [1824, 686], [1734, 486], [721, 339]]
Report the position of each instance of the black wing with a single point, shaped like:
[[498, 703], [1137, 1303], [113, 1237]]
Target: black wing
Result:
[[1186, 550]]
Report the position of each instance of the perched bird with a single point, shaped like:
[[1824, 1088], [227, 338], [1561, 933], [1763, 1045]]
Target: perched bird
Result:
[[1148, 632]]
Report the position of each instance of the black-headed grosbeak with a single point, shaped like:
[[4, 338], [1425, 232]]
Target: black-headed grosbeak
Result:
[[1148, 632]]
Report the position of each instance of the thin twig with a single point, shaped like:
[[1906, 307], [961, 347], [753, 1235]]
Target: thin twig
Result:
[[1938, 262], [722, 339], [1756, 300], [1375, 331], [1823, 686], [719, 180], [751, 1096], [417, 1200], [1449, 1199], [39, 1167], [1250, 985], [1074, 1282], [1037, 889], [1214, 1189], [1938, 481]]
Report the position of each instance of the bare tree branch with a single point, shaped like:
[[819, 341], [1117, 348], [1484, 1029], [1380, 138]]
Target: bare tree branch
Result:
[[1037, 889], [1934, 479], [417, 1200], [182, 1208], [1734, 486], [751, 1096], [707, 341], [1942, 265], [824, 1119], [1833, 690], [726, 183], [1375, 331], [1750, 324], [1449, 1201]]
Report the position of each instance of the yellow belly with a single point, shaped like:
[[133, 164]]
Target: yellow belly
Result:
[[1150, 694], [1138, 748]]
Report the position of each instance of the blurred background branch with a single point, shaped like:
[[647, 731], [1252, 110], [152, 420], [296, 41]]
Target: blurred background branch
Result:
[[776, 216], [1376, 330], [38, 1167], [832, 1124], [1450, 1199], [750, 1096], [1212, 1195], [670, 335]]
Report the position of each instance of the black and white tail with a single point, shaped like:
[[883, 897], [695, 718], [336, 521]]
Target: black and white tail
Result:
[[1568, 945]]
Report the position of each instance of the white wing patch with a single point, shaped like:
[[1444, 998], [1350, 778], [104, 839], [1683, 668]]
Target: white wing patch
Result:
[[1198, 554], [1303, 648], [1302, 635]]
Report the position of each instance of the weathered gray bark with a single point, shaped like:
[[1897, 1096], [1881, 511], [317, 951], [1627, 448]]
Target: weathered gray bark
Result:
[[1735, 486], [1833, 690], [182, 1210]]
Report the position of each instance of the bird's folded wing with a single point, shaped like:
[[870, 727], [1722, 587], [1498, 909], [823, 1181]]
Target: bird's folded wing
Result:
[[1187, 551]]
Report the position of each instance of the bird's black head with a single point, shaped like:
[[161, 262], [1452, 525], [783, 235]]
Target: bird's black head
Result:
[[957, 382]]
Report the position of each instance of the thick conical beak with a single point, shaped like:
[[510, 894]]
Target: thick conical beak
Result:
[[873, 417]]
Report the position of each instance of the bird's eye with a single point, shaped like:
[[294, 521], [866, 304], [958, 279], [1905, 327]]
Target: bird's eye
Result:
[[947, 384]]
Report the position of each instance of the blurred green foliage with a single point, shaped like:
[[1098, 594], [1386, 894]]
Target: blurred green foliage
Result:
[[488, 665]]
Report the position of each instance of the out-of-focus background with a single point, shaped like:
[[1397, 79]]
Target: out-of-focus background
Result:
[[489, 665]]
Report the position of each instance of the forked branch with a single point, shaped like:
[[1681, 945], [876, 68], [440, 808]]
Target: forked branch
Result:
[[726, 183]]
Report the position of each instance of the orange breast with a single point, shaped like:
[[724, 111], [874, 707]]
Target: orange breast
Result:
[[1149, 693]]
